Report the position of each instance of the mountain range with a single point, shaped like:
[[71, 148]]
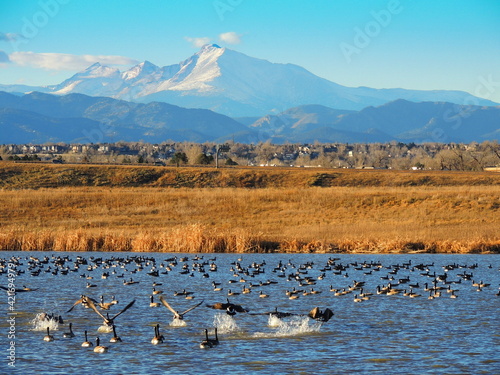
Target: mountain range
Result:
[[233, 84], [76, 118]]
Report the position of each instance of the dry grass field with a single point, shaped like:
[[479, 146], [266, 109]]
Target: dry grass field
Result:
[[132, 208]]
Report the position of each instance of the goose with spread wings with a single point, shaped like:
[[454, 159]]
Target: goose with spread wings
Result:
[[178, 315], [319, 315], [84, 300], [107, 320]]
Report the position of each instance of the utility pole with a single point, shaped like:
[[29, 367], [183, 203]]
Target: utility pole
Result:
[[219, 149]]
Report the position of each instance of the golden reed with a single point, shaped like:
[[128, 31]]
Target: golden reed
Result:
[[255, 210]]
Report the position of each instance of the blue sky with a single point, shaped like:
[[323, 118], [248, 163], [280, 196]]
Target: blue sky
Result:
[[428, 45]]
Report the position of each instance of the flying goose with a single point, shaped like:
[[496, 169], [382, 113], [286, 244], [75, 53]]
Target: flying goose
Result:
[[178, 315], [106, 305], [84, 301], [107, 320], [321, 316], [231, 308]]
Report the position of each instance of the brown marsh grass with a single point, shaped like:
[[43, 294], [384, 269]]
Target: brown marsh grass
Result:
[[450, 219]]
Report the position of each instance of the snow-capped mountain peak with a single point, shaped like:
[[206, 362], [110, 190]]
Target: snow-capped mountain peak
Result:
[[140, 70], [235, 84], [98, 70]]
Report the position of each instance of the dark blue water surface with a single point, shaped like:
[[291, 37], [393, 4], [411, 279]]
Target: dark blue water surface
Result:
[[385, 334]]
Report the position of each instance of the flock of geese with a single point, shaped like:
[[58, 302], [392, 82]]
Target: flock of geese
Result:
[[393, 282]]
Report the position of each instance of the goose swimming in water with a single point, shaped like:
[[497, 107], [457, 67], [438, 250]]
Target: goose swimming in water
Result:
[[99, 348], [115, 338], [178, 315], [70, 333], [48, 337], [209, 343], [152, 303], [157, 339], [87, 343]]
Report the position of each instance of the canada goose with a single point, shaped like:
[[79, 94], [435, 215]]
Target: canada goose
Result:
[[84, 301], [157, 339], [220, 305], [157, 291], [130, 282], [263, 295], [87, 343], [48, 337], [413, 294], [216, 286], [89, 285], [231, 293], [18, 290], [357, 299], [152, 303], [178, 315], [105, 305], [99, 348], [70, 333], [115, 338], [321, 316], [206, 343], [209, 343], [183, 293], [107, 320]]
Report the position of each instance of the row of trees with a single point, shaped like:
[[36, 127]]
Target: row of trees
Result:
[[394, 155]]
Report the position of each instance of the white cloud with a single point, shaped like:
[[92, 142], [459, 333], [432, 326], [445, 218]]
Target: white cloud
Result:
[[230, 37], [198, 42], [62, 61], [9, 37]]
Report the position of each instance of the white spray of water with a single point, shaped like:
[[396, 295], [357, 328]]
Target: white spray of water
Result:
[[225, 323], [291, 327], [177, 323], [40, 323], [105, 329]]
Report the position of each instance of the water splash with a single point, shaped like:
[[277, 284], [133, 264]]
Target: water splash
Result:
[[291, 327], [40, 323], [225, 323], [274, 321], [177, 323], [105, 329]]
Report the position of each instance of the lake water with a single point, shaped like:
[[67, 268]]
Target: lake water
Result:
[[385, 334]]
